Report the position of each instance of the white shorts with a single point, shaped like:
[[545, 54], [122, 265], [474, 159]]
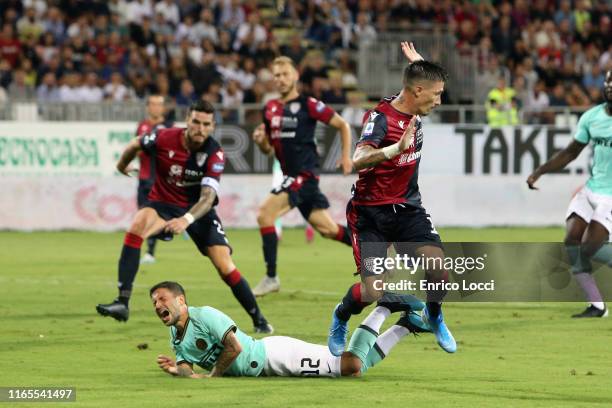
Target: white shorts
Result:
[[591, 206], [289, 357]]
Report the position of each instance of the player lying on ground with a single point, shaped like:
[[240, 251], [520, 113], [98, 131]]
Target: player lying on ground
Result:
[[189, 166], [288, 132], [386, 204], [210, 339], [589, 216]]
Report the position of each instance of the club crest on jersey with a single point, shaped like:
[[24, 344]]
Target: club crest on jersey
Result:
[[171, 153], [201, 158], [201, 344], [294, 107], [176, 170]]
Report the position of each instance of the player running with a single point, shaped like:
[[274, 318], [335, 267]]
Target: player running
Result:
[[589, 216], [189, 166], [146, 172], [288, 132], [386, 204], [210, 339]]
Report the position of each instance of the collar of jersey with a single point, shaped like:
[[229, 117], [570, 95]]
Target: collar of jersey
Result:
[[178, 340]]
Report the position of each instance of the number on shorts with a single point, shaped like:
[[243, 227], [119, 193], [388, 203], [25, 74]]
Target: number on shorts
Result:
[[433, 229], [310, 365], [219, 227]]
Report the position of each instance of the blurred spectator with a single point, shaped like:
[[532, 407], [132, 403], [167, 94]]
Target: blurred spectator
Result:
[[90, 91], [231, 100], [335, 94], [232, 14], [576, 98], [187, 94], [69, 91], [19, 90], [557, 98], [499, 104], [363, 30], [80, 29], [205, 28], [353, 113], [29, 24], [10, 47], [294, 49], [169, 10], [250, 35], [48, 91], [537, 103], [594, 78], [581, 15], [565, 13], [116, 90]]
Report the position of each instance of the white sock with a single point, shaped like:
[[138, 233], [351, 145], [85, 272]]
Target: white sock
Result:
[[599, 305], [376, 318], [391, 337]]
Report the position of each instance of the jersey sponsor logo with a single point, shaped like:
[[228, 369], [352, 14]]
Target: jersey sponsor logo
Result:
[[201, 344], [368, 129], [171, 153], [407, 158], [201, 158], [294, 107], [320, 107], [218, 167]]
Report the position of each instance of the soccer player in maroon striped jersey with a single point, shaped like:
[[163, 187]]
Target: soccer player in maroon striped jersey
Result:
[[288, 132], [146, 173], [386, 204], [189, 163]]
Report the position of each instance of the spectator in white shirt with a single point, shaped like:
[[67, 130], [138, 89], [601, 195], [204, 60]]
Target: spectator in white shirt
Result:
[[170, 11], [69, 91], [90, 91], [137, 9], [232, 14], [249, 35], [205, 28], [364, 31], [115, 90], [48, 91]]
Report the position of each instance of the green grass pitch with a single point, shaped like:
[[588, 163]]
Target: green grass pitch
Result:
[[510, 355]]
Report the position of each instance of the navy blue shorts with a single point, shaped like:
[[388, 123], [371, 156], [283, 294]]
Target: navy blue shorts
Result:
[[405, 226], [304, 193], [205, 232]]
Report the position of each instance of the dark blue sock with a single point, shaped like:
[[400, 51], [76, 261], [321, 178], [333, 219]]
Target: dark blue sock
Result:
[[128, 265], [270, 245]]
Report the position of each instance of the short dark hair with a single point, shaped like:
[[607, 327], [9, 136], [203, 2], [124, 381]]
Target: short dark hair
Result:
[[201, 106], [173, 287], [424, 71]]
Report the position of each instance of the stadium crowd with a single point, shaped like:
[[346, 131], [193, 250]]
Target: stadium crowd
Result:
[[549, 52]]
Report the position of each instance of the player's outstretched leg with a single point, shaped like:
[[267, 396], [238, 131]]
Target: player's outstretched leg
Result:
[[338, 332], [322, 222], [220, 257], [146, 221]]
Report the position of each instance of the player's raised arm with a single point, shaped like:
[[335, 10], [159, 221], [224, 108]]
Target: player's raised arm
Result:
[[231, 350], [130, 152], [367, 155], [261, 139], [557, 162], [345, 133]]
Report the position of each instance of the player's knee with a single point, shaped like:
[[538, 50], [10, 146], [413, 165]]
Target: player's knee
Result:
[[264, 219], [350, 365], [138, 227]]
